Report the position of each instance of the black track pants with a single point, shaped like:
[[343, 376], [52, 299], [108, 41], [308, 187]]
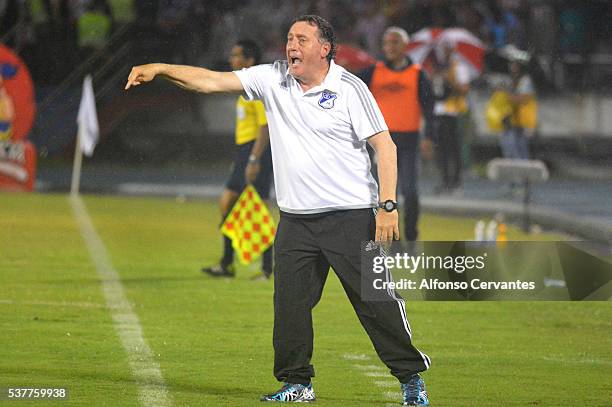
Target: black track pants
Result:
[[304, 250]]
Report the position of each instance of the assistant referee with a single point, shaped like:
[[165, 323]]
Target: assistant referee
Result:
[[252, 163], [320, 117]]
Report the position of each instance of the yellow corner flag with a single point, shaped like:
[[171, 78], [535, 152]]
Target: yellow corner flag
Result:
[[250, 226]]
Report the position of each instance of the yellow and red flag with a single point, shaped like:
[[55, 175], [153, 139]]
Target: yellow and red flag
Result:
[[250, 226]]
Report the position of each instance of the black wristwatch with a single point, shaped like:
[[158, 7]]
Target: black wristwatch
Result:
[[388, 205]]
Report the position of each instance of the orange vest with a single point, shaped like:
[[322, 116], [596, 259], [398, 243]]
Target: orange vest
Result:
[[397, 95]]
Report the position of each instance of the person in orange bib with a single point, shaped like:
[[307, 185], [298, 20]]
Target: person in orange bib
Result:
[[404, 95]]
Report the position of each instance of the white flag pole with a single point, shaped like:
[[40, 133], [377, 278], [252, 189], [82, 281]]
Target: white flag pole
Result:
[[76, 166]]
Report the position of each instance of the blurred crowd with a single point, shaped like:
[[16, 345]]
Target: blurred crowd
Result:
[[54, 35]]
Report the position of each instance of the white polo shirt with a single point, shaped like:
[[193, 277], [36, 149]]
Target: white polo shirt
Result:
[[318, 137]]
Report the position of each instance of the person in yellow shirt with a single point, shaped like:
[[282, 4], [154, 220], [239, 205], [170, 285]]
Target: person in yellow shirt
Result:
[[253, 162], [451, 83], [520, 125]]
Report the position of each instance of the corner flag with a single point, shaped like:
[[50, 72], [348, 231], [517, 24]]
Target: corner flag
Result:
[[87, 120], [250, 226], [87, 134]]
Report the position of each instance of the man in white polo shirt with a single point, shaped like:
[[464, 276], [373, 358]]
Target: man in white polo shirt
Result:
[[320, 117]]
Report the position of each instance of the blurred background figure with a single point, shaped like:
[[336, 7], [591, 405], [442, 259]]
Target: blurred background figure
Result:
[[253, 161], [403, 93], [501, 25], [369, 27], [450, 81], [175, 26], [94, 22], [521, 124]]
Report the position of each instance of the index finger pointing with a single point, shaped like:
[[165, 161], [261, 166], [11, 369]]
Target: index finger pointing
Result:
[[131, 79]]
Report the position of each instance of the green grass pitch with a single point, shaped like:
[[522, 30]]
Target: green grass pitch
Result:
[[213, 338]]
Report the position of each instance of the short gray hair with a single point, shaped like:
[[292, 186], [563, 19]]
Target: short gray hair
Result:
[[399, 31]]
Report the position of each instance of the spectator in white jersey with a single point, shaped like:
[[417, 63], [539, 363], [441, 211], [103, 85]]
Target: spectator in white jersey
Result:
[[320, 117]]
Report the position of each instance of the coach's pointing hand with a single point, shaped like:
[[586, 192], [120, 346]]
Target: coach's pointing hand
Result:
[[387, 226], [142, 74]]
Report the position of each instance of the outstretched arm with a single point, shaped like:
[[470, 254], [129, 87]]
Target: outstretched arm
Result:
[[187, 77]]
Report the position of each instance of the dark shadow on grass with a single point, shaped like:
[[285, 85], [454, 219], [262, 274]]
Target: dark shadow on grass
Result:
[[229, 392], [68, 374]]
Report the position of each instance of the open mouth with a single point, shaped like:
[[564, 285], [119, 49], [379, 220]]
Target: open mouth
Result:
[[294, 61]]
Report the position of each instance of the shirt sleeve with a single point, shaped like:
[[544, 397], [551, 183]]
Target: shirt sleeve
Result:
[[366, 117], [254, 80], [260, 113]]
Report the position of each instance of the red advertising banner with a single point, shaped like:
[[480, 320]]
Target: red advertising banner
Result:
[[17, 166], [17, 111]]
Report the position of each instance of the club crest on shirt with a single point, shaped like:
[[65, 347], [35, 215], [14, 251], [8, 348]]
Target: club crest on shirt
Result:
[[327, 100]]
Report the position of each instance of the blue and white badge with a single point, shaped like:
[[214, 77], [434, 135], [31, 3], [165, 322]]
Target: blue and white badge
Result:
[[327, 100]]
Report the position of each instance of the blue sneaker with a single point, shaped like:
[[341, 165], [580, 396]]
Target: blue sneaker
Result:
[[414, 392], [294, 393]]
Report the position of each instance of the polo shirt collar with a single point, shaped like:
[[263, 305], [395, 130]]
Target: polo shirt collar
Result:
[[332, 81], [333, 77]]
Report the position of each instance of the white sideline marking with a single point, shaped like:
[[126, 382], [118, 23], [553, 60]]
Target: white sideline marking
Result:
[[588, 361], [385, 383], [393, 395], [152, 389], [377, 374], [354, 356], [371, 368]]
